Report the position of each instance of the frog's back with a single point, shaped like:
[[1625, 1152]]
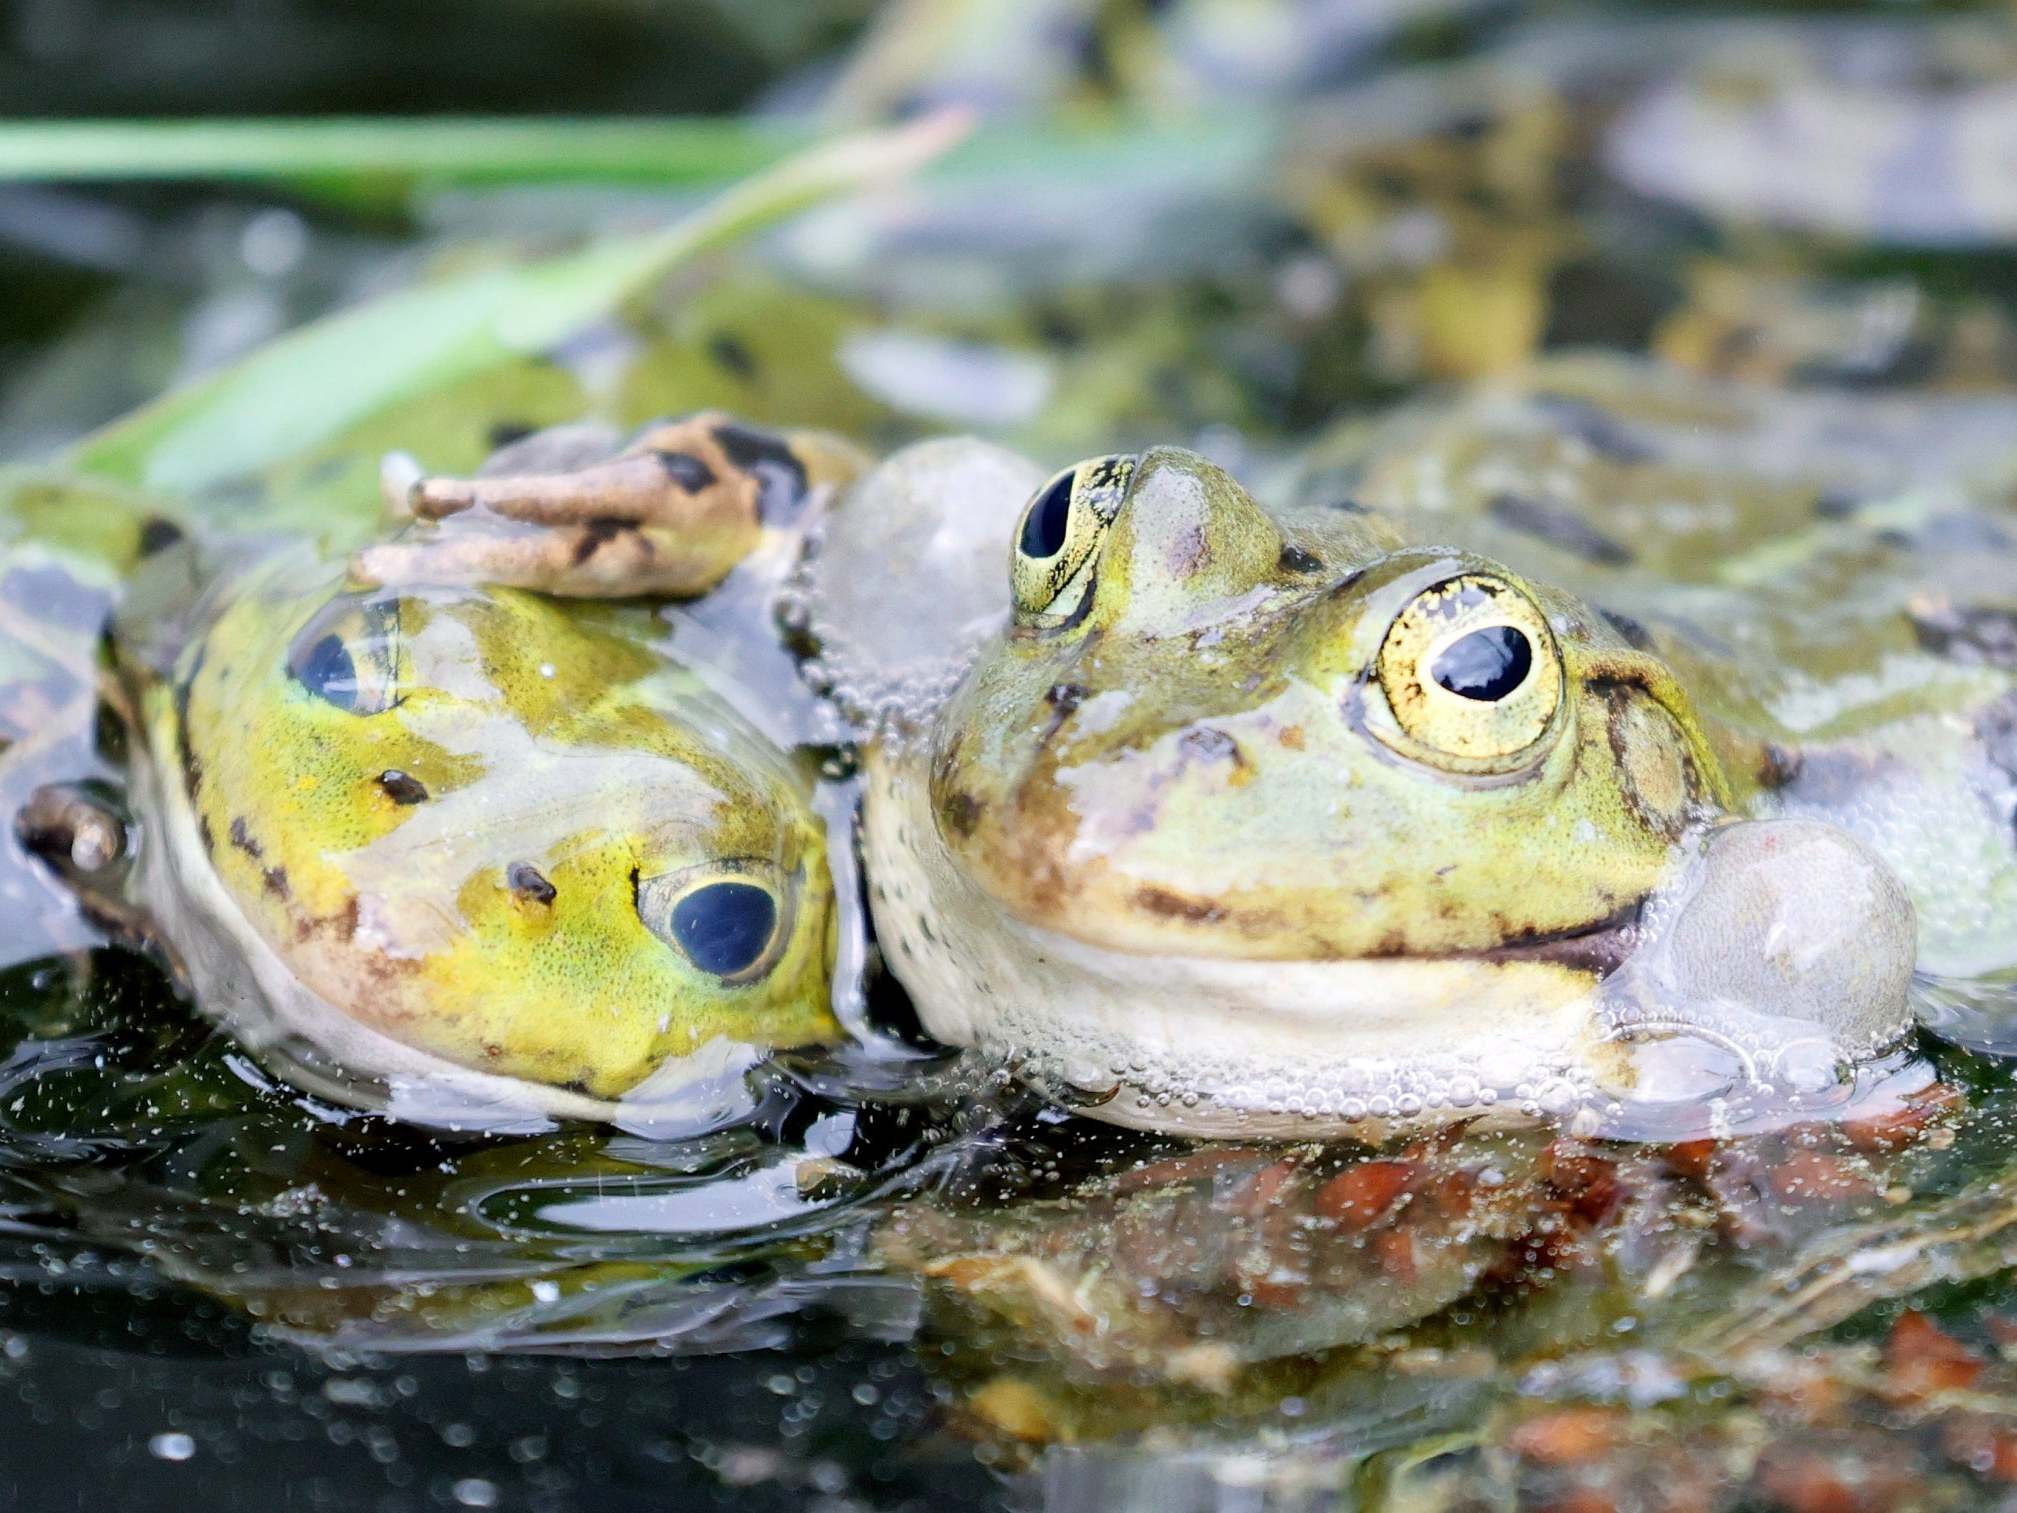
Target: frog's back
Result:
[[1834, 576]]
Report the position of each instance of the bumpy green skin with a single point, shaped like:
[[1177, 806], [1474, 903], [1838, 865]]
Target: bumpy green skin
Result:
[[458, 862]]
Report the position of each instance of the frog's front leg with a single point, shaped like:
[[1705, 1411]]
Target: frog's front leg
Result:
[[669, 514]]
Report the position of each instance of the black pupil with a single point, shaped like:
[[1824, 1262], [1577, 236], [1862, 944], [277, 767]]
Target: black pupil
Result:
[[724, 927], [328, 673], [1044, 525], [1486, 665]]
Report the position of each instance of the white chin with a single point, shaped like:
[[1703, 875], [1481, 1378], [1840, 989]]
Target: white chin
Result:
[[1219, 1047]]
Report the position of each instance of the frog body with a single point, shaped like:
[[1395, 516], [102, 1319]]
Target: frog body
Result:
[[479, 855], [1193, 834]]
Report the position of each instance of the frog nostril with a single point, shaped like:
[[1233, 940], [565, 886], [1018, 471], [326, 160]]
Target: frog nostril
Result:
[[1295, 560], [402, 787], [526, 882]]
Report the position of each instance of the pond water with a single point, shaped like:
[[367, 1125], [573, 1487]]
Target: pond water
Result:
[[892, 1275]]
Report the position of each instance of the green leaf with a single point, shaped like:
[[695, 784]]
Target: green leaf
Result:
[[391, 155], [336, 374]]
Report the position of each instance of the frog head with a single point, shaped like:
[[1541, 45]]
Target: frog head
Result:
[[1249, 823], [493, 829], [1212, 733]]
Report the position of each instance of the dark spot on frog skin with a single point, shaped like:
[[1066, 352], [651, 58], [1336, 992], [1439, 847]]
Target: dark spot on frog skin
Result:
[[1833, 504], [402, 787], [1634, 633], [526, 882], [1197, 911], [157, 534], [960, 813], [1984, 635], [241, 837], [1295, 560], [686, 471], [275, 879], [1597, 429], [732, 355], [1560, 528], [504, 433], [597, 534], [1350, 507], [206, 835], [1064, 700], [779, 473]]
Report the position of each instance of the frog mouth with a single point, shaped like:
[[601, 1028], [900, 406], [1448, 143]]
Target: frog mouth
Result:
[[1599, 948]]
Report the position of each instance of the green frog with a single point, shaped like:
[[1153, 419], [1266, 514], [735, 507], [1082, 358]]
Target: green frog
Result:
[[1372, 808], [472, 854]]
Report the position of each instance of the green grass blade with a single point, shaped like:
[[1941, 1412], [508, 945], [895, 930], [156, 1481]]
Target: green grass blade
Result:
[[383, 156]]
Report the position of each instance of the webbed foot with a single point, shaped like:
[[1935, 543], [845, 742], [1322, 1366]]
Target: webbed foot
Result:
[[564, 512]]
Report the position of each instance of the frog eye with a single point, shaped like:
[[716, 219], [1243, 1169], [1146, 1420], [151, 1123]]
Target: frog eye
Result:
[[348, 655], [1051, 568], [729, 918], [1471, 672]]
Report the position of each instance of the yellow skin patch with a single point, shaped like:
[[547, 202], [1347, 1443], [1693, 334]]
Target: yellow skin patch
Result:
[[478, 822], [1232, 743]]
